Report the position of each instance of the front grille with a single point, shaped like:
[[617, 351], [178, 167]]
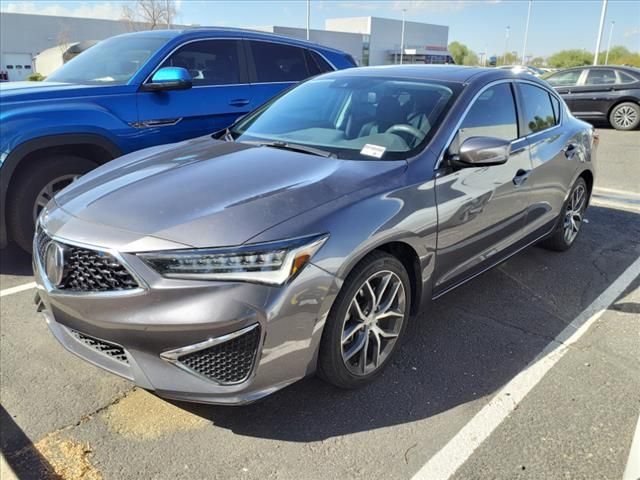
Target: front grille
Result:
[[109, 349], [88, 270], [227, 363]]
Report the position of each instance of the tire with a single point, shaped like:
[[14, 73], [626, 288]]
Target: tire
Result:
[[31, 183], [384, 335], [559, 240], [625, 116]]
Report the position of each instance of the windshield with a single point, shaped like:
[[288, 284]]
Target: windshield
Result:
[[112, 61], [352, 117]]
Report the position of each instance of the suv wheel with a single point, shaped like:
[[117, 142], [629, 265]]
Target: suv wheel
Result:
[[625, 116], [366, 322], [33, 189]]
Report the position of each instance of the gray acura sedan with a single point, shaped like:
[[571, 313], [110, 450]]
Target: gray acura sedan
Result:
[[306, 237]]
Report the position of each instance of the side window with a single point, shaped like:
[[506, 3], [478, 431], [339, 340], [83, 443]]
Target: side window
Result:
[[492, 115], [317, 64], [601, 77], [625, 78], [210, 62], [276, 62], [565, 79], [538, 111], [555, 104]]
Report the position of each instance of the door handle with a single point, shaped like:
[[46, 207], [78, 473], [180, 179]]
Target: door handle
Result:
[[238, 102], [521, 177]]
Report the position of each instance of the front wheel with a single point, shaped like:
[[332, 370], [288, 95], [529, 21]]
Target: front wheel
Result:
[[33, 189], [366, 322], [570, 223], [625, 116]]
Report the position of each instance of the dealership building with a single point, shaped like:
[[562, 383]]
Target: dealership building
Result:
[[369, 40]]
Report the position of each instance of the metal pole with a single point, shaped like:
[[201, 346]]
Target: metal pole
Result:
[[602, 15], [168, 15], [402, 37], [526, 34], [606, 57], [308, 16], [506, 46]]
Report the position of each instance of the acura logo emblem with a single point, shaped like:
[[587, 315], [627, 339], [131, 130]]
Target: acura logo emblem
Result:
[[54, 263]]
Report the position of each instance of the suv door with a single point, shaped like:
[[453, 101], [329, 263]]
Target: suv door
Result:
[[596, 93], [565, 84], [219, 95], [482, 210], [275, 66]]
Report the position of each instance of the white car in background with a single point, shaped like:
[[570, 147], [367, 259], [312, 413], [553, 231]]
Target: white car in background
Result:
[[536, 72]]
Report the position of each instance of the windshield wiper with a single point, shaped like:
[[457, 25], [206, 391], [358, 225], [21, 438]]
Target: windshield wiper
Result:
[[294, 147]]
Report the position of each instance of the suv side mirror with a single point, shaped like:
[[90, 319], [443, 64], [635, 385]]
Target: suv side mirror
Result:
[[482, 152], [169, 78]]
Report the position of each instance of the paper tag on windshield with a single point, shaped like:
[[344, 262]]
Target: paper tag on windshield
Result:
[[371, 150]]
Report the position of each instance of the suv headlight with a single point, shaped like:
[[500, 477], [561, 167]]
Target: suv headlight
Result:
[[272, 263]]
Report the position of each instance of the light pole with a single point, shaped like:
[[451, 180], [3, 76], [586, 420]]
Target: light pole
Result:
[[404, 10], [506, 46], [308, 16], [526, 34], [602, 15], [606, 57], [168, 15]]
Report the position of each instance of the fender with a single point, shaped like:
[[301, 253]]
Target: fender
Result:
[[13, 159]]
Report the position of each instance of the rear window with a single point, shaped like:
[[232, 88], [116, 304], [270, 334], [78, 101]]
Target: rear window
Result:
[[538, 110], [601, 77], [317, 64], [276, 62]]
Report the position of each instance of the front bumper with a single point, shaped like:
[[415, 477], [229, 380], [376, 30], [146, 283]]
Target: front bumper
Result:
[[165, 316]]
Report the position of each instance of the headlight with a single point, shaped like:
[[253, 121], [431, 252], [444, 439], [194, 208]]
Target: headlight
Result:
[[271, 263]]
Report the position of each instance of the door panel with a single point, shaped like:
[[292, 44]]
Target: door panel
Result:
[[482, 210], [595, 93], [220, 94], [553, 153]]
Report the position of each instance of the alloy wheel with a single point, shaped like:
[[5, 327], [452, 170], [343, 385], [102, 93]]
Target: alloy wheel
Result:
[[625, 116], [373, 323], [49, 190], [573, 213]]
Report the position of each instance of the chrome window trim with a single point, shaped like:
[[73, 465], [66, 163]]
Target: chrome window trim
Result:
[[239, 39], [173, 356], [52, 290], [480, 92]]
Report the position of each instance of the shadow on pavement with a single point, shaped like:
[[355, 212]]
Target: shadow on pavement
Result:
[[15, 261], [466, 346]]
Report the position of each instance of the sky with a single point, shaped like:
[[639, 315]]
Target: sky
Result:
[[480, 24]]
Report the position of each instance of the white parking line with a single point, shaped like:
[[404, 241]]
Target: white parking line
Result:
[[18, 289], [632, 472], [614, 204], [445, 463]]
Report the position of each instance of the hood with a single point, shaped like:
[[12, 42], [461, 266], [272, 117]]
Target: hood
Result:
[[206, 193], [25, 91]]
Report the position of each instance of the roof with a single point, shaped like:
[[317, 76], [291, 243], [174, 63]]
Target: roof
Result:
[[449, 73], [196, 32]]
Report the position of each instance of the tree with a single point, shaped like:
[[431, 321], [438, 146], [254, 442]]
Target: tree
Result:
[[148, 14], [537, 62], [619, 55], [462, 54], [570, 58], [510, 58]]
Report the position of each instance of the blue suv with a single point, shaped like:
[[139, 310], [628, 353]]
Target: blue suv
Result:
[[131, 92]]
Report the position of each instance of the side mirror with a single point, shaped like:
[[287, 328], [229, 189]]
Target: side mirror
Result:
[[169, 78], [482, 152]]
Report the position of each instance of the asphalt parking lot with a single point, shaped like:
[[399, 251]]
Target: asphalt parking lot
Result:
[[529, 371]]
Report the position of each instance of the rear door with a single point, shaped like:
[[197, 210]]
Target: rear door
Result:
[[482, 210], [595, 93], [554, 153], [220, 93], [275, 66]]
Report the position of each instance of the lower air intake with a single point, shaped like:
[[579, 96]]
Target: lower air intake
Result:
[[109, 349], [228, 362]]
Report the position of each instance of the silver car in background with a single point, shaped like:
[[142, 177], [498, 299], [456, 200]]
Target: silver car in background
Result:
[[306, 237]]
